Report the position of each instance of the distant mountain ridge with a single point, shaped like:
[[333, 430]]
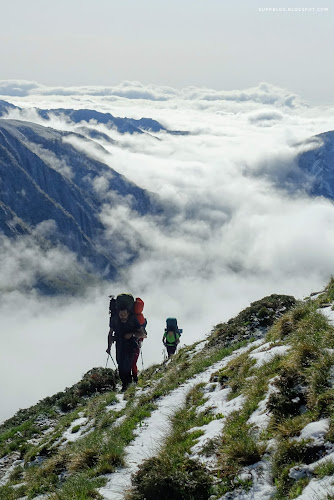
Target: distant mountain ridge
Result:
[[122, 125]]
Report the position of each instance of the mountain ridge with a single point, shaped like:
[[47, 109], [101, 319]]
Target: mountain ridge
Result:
[[122, 125]]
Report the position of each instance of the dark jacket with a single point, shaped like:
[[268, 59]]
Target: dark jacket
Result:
[[121, 329]]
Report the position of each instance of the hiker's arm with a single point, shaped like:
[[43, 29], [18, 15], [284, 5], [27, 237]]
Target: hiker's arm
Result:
[[139, 334]]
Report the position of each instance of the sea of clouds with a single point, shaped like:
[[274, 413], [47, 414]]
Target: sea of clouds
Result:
[[236, 228]]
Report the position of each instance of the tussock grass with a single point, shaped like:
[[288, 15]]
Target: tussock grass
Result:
[[86, 459], [180, 441], [15, 438], [323, 470], [8, 493], [16, 476], [290, 394], [289, 454], [79, 487], [298, 486], [238, 447], [287, 324], [161, 477], [235, 374], [291, 426], [328, 295], [75, 429], [259, 315]]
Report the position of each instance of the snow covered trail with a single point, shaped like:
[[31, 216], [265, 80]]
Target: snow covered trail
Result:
[[155, 429]]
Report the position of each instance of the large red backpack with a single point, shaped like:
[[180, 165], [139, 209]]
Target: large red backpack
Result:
[[138, 310]]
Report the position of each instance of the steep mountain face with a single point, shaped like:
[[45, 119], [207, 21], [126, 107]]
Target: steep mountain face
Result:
[[318, 166], [229, 417], [45, 178]]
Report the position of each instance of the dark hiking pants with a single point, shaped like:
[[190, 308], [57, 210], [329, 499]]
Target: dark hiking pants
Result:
[[171, 350], [124, 357]]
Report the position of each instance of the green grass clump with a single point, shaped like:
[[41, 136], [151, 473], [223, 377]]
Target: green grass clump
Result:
[[286, 402], [289, 454], [238, 447], [16, 476], [325, 469], [75, 429], [291, 426], [15, 438], [260, 314], [8, 493], [236, 372], [161, 477], [328, 295], [298, 487], [79, 487]]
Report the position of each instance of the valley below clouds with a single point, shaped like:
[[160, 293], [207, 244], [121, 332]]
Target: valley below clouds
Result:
[[237, 221]]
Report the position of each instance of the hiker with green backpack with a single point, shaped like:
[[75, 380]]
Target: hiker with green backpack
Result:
[[171, 336], [125, 330]]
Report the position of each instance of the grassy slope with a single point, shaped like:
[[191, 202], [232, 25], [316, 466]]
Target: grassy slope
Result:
[[75, 470]]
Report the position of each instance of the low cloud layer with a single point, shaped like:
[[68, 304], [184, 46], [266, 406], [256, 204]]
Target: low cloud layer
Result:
[[263, 93], [232, 230]]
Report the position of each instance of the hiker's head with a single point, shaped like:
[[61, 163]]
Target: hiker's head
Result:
[[123, 315]]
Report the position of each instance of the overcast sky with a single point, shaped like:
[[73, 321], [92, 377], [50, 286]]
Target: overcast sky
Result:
[[217, 44]]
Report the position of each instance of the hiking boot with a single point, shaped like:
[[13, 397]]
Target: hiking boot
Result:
[[124, 387], [135, 378]]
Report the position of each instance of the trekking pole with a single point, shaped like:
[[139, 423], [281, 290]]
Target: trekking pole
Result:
[[113, 361], [107, 360], [142, 361]]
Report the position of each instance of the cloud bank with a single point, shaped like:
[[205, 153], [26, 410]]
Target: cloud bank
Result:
[[231, 232], [264, 93]]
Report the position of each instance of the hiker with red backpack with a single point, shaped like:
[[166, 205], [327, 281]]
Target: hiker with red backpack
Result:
[[171, 336], [125, 330]]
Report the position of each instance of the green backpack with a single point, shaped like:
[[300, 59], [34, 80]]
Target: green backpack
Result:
[[172, 337]]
